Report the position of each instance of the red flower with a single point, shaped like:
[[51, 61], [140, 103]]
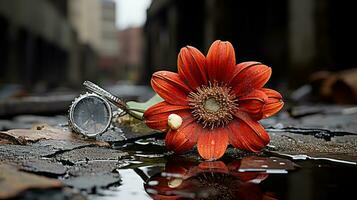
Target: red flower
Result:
[[220, 102], [185, 179]]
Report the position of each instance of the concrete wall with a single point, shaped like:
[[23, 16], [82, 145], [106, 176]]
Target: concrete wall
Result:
[[109, 46], [85, 16]]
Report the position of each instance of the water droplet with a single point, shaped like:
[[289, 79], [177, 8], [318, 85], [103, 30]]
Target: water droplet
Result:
[[281, 163], [153, 183]]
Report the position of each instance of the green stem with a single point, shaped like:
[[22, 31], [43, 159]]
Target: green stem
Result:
[[137, 110], [135, 115]]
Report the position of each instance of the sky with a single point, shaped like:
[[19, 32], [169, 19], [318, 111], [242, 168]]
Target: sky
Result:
[[131, 13]]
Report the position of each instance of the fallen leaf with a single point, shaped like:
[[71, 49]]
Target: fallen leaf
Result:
[[144, 106], [13, 182]]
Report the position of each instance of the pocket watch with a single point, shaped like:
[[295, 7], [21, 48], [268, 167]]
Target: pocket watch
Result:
[[91, 114]]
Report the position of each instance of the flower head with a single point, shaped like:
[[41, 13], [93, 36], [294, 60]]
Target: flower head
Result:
[[219, 101], [185, 179]]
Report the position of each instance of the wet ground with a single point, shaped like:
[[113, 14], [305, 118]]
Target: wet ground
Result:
[[312, 155]]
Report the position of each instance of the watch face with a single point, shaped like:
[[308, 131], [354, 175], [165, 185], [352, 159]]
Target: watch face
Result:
[[90, 115]]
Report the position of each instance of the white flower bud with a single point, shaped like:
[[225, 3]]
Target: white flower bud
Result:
[[174, 121]]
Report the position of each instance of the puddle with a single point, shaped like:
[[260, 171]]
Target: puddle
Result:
[[154, 173], [131, 187]]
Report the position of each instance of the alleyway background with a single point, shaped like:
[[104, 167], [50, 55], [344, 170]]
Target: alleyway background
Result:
[[52, 46]]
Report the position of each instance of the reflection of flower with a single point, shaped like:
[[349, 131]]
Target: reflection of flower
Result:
[[220, 102], [183, 179]]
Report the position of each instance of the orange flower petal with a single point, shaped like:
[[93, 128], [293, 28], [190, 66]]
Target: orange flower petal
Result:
[[239, 67], [251, 77], [247, 134], [170, 87], [216, 166], [253, 103], [212, 143], [220, 61], [182, 139], [156, 116], [243, 65], [179, 165], [274, 103], [191, 67]]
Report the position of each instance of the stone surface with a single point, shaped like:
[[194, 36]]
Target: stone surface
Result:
[[11, 152], [331, 118], [90, 154], [44, 166], [315, 132], [32, 159], [346, 123], [342, 148], [61, 145], [28, 128], [112, 135]]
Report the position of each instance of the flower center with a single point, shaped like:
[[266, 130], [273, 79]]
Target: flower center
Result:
[[218, 185], [213, 105]]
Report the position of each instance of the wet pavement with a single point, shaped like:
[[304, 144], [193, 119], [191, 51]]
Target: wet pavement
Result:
[[312, 154]]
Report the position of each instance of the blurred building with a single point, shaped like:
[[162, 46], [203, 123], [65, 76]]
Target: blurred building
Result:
[[131, 46], [109, 47], [295, 37], [94, 21], [85, 16], [37, 43], [55, 42]]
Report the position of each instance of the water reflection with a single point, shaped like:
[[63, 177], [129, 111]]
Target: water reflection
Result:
[[189, 179]]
